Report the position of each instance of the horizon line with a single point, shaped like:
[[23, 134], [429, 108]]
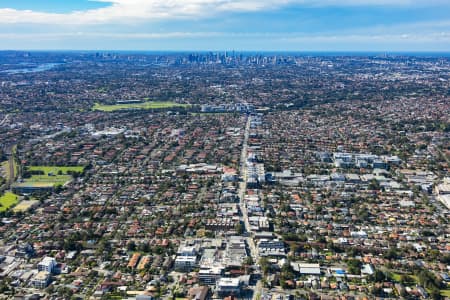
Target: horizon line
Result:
[[232, 50]]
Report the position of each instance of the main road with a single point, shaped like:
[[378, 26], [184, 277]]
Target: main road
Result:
[[244, 176], [243, 206]]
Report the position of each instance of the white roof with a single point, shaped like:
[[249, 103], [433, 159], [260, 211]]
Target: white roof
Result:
[[303, 268], [48, 261], [309, 265], [186, 259], [229, 282], [313, 269]]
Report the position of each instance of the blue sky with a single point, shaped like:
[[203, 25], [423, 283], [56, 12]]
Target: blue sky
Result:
[[293, 25]]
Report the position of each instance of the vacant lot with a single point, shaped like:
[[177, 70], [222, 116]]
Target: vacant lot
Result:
[[144, 105], [8, 200]]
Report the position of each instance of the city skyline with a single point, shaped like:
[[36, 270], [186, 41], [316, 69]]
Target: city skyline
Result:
[[242, 25]]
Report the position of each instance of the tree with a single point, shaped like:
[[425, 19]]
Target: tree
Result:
[[50, 289], [428, 280], [378, 276], [248, 261], [435, 294], [405, 279], [239, 228], [354, 266], [265, 265], [131, 246], [65, 292], [391, 254], [144, 247], [445, 259], [374, 185]]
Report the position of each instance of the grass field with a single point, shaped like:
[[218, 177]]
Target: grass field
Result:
[[144, 105], [445, 293], [8, 200], [52, 176], [395, 276], [412, 278], [45, 180], [55, 170], [211, 113]]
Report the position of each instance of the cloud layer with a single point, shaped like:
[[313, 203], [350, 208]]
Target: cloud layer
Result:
[[239, 24], [135, 11]]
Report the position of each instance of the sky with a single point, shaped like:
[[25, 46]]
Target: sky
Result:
[[241, 25]]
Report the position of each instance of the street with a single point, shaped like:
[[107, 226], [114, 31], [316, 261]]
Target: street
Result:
[[243, 206]]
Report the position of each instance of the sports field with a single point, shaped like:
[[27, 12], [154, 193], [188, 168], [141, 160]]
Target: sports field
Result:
[[55, 170], [53, 176], [143, 105], [8, 200]]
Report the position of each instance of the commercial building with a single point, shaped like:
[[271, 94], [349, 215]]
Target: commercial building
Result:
[[32, 188], [443, 192], [306, 269], [210, 276], [185, 263], [274, 248], [228, 286], [41, 280], [47, 264]]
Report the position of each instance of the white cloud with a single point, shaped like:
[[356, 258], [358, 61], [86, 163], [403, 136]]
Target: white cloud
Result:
[[286, 37], [114, 36], [351, 38], [125, 11]]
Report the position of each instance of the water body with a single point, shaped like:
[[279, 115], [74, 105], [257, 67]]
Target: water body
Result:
[[32, 69]]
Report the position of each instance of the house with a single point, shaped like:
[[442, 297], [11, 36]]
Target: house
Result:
[[144, 297], [367, 269], [198, 293]]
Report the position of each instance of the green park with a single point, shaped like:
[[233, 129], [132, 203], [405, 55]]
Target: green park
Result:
[[141, 105], [50, 175], [8, 200]]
